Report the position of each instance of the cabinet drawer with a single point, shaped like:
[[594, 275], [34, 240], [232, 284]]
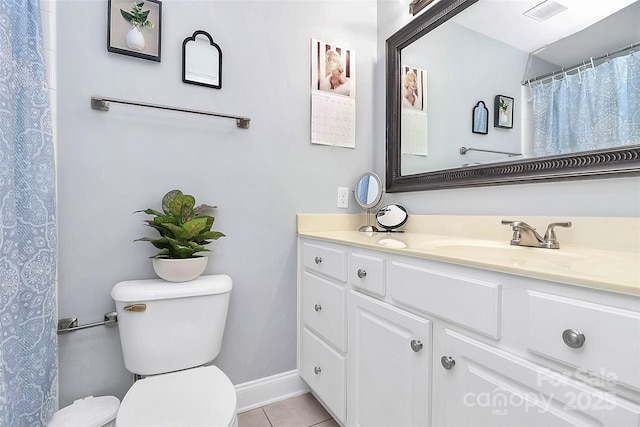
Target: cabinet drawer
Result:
[[325, 260], [322, 307], [324, 370], [366, 272], [611, 344], [469, 302]]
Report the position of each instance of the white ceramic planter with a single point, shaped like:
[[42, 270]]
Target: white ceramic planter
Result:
[[180, 270], [135, 39]]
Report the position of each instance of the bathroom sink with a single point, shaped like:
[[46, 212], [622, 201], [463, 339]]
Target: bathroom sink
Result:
[[494, 249]]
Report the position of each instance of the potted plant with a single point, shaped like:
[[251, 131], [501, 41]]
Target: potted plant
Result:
[[184, 231], [138, 19], [503, 106]]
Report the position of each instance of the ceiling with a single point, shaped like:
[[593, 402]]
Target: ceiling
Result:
[[504, 20]]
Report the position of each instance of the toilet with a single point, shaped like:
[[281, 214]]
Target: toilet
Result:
[[168, 332]]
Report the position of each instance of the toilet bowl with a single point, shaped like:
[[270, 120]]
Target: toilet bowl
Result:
[[201, 396]]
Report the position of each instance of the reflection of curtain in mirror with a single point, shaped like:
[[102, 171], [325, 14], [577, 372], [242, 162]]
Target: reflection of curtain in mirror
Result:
[[595, 108], [28, 342], [362, 190]]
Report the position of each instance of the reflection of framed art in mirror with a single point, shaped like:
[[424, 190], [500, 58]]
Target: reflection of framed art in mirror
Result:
[[503, 112]]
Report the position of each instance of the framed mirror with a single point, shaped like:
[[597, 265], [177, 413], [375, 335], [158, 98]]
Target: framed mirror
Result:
[[201, 61], [466, 62]]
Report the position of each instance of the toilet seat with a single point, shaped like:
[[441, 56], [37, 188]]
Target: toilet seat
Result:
[[201, 396]]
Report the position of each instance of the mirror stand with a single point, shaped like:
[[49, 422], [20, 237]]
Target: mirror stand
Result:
[[369, 228], [368, 194]]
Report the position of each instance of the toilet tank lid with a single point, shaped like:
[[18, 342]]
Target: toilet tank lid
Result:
[[158, 289], [89, 412]]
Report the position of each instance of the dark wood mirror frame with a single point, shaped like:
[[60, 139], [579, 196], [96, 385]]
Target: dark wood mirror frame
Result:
[[608, 162]]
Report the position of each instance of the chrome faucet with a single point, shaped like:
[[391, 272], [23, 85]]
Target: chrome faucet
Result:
[[526, 235]]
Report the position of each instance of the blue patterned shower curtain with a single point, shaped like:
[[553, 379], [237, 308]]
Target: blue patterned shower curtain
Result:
[[595, 108], [28, 343]]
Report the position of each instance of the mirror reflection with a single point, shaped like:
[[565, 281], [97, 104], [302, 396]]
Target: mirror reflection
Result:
[[564, 80], [391, 217], [201, 61]]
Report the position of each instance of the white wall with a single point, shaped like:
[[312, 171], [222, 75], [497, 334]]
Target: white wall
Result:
[[602, 197], [111, 164]]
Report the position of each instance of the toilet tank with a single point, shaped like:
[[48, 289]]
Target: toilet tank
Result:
[[166, 326]]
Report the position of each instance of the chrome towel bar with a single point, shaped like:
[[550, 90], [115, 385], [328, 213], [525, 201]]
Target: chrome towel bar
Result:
[[463, 150], [70, 324], [101, 103]]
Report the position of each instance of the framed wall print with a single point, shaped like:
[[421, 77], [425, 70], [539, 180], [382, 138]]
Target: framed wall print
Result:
[[503, 112], [133, 29]]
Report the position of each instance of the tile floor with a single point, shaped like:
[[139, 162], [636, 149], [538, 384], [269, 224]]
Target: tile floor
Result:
[[299, 411]]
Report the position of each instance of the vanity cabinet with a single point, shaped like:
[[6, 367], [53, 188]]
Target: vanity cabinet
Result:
[[482, 385], [389, 365], [322, 311], [401, 340]]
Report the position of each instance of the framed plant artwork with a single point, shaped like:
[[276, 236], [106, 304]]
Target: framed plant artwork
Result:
[[503, 112], [133, 29]]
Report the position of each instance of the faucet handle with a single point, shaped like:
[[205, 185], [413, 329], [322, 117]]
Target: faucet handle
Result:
[[550, 240]]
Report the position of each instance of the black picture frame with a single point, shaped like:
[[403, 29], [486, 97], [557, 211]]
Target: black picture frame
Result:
[[213, 76], [503, 112], [480, 119], [118, 27]]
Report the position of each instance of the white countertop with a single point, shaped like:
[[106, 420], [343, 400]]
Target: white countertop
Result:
[[611, 265]]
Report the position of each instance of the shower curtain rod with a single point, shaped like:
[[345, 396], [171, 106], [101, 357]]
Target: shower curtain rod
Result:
[[591, 61], [101, 103]]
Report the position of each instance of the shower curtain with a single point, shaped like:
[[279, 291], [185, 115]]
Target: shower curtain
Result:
[[28, 342], [595, 108]]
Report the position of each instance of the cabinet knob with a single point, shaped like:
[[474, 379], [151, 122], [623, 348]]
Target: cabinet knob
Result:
[[317, 307], [447, 362], [317, 370], [573, 338], [416, 345], [362, 273], [318, 260]]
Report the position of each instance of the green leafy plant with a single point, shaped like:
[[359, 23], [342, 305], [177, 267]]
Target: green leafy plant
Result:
[[184, 230], [137, 17], [503, 105]]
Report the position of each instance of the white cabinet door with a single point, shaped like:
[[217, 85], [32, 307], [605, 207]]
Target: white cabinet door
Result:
[[389, 365], [481, 385]]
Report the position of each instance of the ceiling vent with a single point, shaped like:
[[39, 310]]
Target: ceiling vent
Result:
[[545, 10]]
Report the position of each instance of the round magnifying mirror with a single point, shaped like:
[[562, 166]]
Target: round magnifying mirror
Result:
[[368, 194], [391, 217]]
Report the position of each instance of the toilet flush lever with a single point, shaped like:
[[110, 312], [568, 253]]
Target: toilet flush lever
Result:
[[135, 307]]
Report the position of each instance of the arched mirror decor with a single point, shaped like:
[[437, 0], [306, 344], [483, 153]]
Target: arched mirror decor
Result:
[[509, 52], [368, 194], [201, 61], [480, 119]]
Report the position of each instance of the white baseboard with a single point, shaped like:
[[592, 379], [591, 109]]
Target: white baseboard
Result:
[[263, 391]]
